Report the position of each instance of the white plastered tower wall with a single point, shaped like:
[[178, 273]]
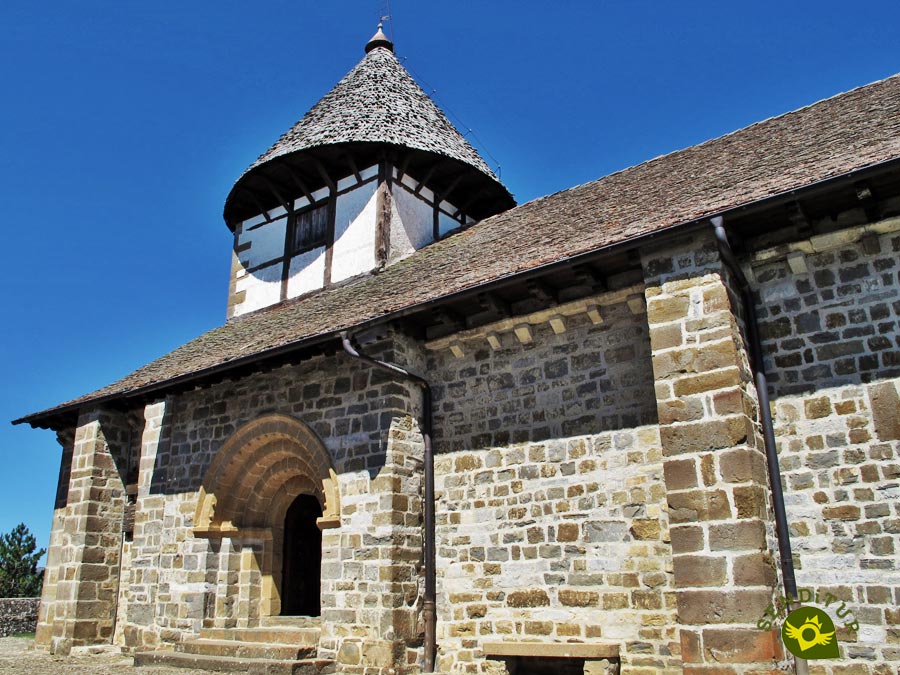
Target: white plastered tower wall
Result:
[[377, 222]]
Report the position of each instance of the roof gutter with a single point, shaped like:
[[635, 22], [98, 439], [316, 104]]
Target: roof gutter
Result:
[[697, 224]]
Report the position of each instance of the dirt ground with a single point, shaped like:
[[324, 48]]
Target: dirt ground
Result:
[[18, 657]]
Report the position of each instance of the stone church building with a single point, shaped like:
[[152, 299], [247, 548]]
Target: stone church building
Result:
[[599, 432]]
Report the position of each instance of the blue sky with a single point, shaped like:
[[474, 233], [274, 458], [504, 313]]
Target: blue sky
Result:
[[124, 125]]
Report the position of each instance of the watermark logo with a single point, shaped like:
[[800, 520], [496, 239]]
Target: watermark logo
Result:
[[808, 632]]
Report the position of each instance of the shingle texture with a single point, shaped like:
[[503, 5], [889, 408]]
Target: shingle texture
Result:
[[377, 102], [841, 134]]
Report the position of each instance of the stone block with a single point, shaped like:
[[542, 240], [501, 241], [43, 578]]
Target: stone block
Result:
[[679, 410], [740, 645], [529, 598], [707, 381], [573, 598], [699, 570], [698, 505], [703, 436], [667, 308], [754, 569], [842, 512], [885, 405], [538, 627], [566, 532], [751, 501], [605, 531], [817, 408], [686, 538], [743, 465], [698, 607], [646, 529], [690, 646], [738, 536], [680, 474]]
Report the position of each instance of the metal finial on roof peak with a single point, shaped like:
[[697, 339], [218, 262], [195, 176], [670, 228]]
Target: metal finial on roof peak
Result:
[[379, 40]]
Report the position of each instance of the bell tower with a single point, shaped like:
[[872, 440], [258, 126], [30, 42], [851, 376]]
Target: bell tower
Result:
[[372, 173]]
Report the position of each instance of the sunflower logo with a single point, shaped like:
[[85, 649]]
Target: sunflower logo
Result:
[[808, 632]]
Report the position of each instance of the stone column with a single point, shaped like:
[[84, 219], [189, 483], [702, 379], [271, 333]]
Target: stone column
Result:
[[372, 564], [140, 622], [88, 549], [47, 613], [714, 462]]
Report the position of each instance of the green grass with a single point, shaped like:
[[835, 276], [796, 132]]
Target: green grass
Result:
[[22, 635]]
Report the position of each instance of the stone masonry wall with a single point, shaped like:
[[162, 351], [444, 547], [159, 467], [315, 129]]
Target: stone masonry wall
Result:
[[551, 516], [367, 420], [559, 541], [18, 615], [588, 379], [829, 309], [832, 329]]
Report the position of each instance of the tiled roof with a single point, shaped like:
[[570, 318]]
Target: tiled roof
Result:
[[851, 131], [377, 102]]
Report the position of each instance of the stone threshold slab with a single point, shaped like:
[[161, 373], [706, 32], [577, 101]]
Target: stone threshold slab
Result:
[[572, 650]]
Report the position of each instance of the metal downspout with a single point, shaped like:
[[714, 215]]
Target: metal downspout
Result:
[[765, 413], [429, 604]]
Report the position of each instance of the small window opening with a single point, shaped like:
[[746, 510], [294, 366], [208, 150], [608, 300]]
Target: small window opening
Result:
[[310, 228]]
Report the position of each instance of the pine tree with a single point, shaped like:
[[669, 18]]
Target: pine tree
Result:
[[19, 576]]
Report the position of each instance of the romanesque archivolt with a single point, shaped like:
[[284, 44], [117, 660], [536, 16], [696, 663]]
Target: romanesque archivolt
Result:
[[259, 472]]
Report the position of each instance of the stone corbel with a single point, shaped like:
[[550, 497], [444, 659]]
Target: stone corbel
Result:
[[331, 514]]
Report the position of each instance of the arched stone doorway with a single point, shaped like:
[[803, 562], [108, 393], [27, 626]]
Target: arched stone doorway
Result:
[[267, 468]]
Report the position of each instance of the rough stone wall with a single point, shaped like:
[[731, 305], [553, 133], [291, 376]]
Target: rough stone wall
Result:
[[829, 308], [588, 379], [367, 420], [833, 349], [18, 615], [564, 540], [551, 514]]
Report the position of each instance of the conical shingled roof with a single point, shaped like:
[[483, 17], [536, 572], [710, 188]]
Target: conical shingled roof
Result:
[[379, 102]]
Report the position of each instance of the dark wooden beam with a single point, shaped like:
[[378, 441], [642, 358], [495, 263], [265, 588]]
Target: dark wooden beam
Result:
[[323, 172], [464, 208], [256, 203], [797, 216], [449, 318], [438, 198], [278, 193], [866, 197], [490, 302], [428, 175], [541, 290], [353, 168], [300, 184], [588, 276], [403, 164]]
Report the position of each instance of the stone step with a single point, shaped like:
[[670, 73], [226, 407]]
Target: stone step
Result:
[[235, 665], [249, 650], [291, 621], [283, 635]]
